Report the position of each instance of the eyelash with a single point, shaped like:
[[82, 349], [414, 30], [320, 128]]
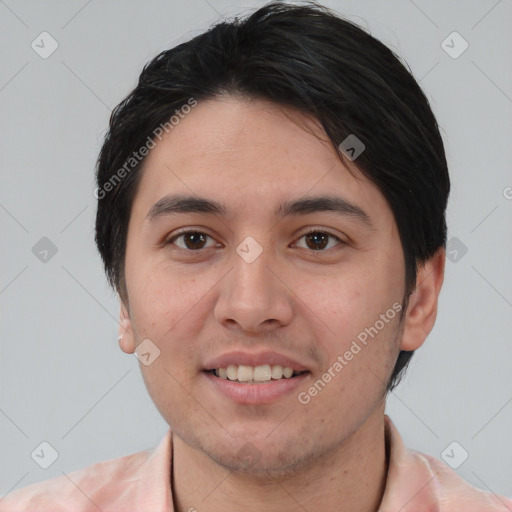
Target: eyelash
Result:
[[171, 240]]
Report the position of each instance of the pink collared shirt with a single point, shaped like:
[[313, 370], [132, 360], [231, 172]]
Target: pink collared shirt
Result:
[[141, 482]]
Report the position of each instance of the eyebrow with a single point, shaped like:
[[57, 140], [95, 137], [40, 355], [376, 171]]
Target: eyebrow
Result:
[[177, 203]]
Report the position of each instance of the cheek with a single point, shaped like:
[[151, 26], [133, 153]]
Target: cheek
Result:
[[352, 298], [162, 298], [359, 363], [170, 309], [356, 314], [166, 310]]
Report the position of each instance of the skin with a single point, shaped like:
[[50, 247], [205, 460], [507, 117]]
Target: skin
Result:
[[252, 155]]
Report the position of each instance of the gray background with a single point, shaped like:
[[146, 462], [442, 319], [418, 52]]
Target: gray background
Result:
[[64, 379]]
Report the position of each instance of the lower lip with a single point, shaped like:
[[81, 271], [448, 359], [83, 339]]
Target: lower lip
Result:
[[256, 393]]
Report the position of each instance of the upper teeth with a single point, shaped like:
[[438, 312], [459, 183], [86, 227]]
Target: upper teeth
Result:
[[261, 373]]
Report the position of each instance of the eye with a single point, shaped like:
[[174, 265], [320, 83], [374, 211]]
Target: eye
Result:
[[318, 240], [191, 240]]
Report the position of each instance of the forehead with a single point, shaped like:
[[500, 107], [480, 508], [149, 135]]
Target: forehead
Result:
[[250, 154]]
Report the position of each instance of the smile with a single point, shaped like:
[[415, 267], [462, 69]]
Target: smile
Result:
[[255, 374]]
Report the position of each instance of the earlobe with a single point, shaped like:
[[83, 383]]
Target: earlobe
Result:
[[126, 338], [422, 308]]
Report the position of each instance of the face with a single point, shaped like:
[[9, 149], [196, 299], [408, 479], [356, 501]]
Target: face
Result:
[[261, 284]]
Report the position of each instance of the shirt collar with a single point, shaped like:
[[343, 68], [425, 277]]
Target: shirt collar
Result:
[[411, 483]]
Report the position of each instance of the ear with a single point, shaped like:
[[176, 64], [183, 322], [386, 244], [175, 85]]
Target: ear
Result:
[[126, 338], [422, 308]]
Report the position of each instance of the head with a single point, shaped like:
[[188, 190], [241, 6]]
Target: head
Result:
[[237, 133]]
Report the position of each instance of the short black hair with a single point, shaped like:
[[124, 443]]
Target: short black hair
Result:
[[308, 58]]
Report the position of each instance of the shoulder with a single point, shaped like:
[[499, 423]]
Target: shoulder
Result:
[[99, 486], [422, 483], [455, 493]]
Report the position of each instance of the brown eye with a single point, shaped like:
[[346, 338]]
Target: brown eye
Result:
[[319, 240], [194, 240], [190, 240]]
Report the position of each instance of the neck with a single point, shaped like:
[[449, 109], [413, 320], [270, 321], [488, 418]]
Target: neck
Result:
[[351, 478]]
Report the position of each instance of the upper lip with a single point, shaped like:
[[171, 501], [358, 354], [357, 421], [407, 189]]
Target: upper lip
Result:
[[255, 359]]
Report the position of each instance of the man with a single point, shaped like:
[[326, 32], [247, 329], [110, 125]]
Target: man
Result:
[[271, 212]]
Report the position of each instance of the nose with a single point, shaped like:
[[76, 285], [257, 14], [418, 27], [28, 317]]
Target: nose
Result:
[[254, 297]]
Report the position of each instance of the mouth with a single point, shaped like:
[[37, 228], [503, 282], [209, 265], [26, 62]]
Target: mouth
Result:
[[261, 374], [255, 378]]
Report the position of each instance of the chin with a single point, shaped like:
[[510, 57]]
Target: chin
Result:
[[248, 460], [261, 457]]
